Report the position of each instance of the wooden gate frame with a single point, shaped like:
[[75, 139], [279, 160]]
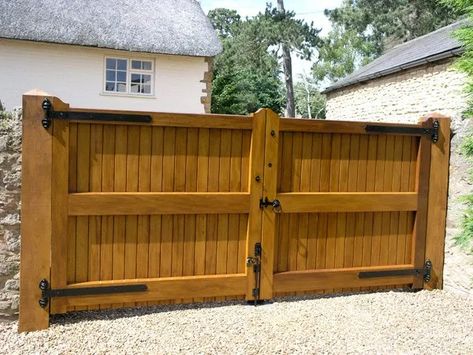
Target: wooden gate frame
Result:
[[44, 197]]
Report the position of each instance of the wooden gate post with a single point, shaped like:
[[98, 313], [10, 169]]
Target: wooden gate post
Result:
[[269, 192], [35, 213], [438, 195]]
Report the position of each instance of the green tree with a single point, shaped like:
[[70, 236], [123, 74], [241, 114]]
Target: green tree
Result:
[[246, 75], [287, 35], [309, 102], [465, 64], [364, 29]]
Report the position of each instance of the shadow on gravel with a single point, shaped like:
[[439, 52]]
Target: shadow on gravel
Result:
[[130, 312]]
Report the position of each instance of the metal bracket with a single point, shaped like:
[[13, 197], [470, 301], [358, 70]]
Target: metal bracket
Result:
[[50, 114], [256, 263], [47, 292], [425, 272], [433, 131]]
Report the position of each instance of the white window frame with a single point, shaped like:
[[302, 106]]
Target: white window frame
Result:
[[129, 71]]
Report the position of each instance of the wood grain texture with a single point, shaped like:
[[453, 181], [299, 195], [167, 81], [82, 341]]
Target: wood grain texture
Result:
[[36, 226]]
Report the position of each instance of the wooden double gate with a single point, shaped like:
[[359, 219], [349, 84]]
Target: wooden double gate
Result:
[[130, 208]]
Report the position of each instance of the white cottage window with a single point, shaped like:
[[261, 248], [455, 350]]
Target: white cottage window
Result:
[[129, 76]]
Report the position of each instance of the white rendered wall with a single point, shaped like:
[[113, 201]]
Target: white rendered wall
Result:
[[76, 75]]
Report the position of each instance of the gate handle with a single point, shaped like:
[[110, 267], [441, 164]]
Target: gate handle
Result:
[[275, 204]]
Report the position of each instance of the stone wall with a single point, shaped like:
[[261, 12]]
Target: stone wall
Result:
[[10, 183], [405, 97]]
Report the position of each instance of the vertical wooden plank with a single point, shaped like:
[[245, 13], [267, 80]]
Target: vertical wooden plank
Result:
[[245, 187], [168, 186], [304, 187], [422, 188], [201, 220], [119, 185], [223, 186], [315, 171], [59, 196], [95, 222], [82, 224], [131, 223], [285, 166], [271, 150], [377, 216], [35, 213], [352, 185], [191, 185], [235, 186], [324, 186], [387, 239], [144, 185], [332, 218], [370, 186], [256, 192], [437, 207], [71, 236], [360, 187], [156, 186], [294, 224]]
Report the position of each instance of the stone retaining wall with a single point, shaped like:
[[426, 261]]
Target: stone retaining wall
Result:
[[10, 184]]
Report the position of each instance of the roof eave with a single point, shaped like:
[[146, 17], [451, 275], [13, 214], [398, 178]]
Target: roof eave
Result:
[[422, 61]]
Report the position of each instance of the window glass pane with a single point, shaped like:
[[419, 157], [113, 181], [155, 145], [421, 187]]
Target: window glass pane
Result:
[[111, 75], [121, 75], [135, 88], [136, 64], [146, 66], [111, 63], [109, 86], [146, 79], [121, 87], [135, 78], [121, 64], [146, 89]]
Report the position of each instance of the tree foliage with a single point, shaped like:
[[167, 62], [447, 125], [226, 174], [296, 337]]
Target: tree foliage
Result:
[[363, 29], [246, 75], [310, 103], [465, 64], [247, 72]]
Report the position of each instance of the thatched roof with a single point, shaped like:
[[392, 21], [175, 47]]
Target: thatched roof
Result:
[[154, 26]]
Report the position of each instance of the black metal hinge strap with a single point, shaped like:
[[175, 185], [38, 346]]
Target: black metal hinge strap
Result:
[[50, 114], [47, 292], [425, 272], [433, 131]]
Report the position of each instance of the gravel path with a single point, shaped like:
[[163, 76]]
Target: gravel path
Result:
[[384, 322]]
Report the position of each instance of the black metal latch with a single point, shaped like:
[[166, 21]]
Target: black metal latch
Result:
[[433, 131], [47, 292], [50, 114], [425, 272], [275, 204], [255, 261]]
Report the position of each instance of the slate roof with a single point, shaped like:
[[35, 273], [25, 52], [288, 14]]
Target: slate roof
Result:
[[155, 26], [431, 47]]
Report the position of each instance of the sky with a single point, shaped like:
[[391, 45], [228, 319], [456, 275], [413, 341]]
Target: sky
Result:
[[309, 10]]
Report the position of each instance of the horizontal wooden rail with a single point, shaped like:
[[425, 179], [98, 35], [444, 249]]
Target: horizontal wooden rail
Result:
[[164, 289], [180, 120], [300, 202], [313, 280], [151, 203], [324, 126]]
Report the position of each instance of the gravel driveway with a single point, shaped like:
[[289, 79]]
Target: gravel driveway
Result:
[[384, 322]]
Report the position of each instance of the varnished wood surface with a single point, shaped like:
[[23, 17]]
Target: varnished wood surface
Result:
[[175, 204]]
